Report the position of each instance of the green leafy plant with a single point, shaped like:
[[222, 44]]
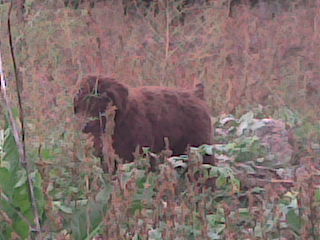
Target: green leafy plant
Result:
[[243, 149], [87, 220], [16, 218]]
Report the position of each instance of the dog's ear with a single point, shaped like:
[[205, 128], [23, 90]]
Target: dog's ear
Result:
[[116, 92], [96, 93]]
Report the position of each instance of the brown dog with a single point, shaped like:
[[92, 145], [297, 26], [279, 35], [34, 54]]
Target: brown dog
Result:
[[144, 116]]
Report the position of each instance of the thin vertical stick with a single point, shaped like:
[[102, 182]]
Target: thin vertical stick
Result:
[[167, 30], [18, 84], [18, 134]]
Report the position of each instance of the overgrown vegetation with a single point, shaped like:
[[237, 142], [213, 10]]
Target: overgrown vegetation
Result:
[[241, 197], [260, 57], [17, 216]]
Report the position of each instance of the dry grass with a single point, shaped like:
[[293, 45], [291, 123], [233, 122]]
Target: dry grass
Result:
[[267, 55]]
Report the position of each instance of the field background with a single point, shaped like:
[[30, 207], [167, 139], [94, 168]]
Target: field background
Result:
[[265, 54], [248, 53]]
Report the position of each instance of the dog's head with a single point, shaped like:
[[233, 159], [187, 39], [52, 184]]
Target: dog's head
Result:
[[97, 93]]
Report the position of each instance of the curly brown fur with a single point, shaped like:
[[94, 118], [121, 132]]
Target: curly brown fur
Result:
[[144, 116]]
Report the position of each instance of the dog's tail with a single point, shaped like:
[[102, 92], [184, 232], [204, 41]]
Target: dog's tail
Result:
[[199, 91]]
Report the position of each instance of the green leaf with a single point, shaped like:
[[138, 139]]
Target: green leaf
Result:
[[15, 200], [6, 181], [294, 220], [318, 195], [137, 205], [245, 122], [39, 192], [22, 228], [206, 149], [258, 190], [22, 176], [65, 209], [104, 195], [177, 162], [87, 221], [155, 234]]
